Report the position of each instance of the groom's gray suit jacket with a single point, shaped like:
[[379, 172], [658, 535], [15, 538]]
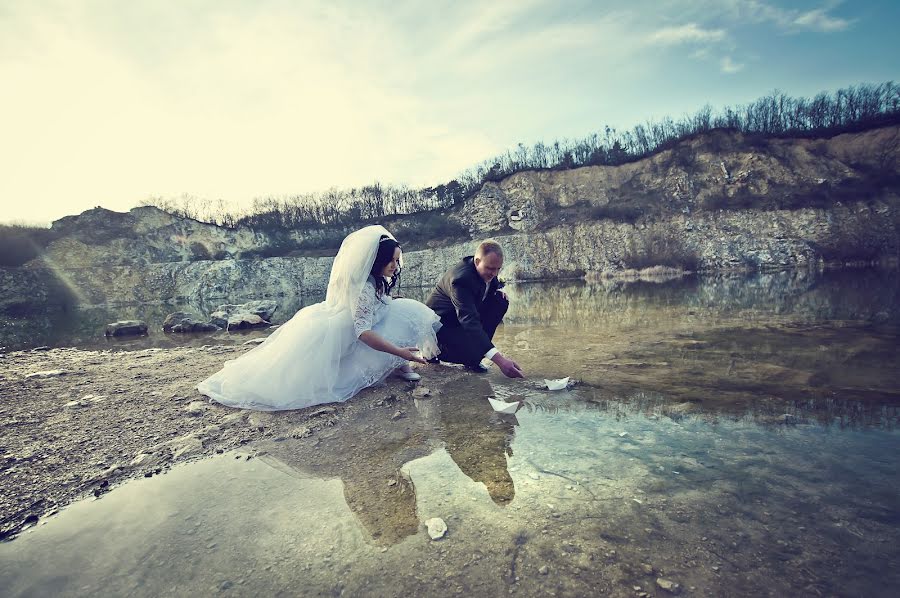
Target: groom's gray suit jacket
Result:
[[457, 297]]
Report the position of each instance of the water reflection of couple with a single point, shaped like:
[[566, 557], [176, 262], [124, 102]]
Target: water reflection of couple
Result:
[[359, 335], [369, 462]]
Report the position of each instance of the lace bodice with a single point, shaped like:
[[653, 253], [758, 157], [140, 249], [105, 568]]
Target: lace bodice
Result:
[[369, 309]]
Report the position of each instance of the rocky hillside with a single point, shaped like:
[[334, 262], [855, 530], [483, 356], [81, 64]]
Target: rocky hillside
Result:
[[717, 201]]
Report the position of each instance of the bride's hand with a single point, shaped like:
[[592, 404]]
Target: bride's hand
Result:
[[409, 354]]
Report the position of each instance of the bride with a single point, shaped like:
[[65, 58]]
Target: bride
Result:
[[330, 351]]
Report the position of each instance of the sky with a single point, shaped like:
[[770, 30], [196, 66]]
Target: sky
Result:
[[108, 103]]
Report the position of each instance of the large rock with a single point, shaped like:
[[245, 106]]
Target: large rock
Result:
[[126, 328], [181, 321], [252, 314], [262, 308]]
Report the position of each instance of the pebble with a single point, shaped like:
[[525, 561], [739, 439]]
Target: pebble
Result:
[[46, 374], [436, 528], [544, 570], [300, 432], [397, 415], [668, 585], [195, 408]]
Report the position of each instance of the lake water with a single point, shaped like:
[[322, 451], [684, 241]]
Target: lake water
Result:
[[734, 435]]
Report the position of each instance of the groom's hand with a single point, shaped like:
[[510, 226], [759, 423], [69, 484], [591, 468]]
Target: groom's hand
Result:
[[509, 367]]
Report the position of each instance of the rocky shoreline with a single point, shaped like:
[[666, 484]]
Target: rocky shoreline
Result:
[[76, 423]]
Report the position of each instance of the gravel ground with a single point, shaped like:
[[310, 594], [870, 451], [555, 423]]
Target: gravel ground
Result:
[[76, 423]]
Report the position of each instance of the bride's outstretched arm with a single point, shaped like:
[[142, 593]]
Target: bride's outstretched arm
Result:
[[374, 340]]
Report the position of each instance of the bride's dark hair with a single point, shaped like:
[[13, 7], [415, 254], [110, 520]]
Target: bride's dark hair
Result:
[[386, 247]]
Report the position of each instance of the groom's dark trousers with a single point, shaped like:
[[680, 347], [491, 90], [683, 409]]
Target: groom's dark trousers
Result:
[[470, 311]]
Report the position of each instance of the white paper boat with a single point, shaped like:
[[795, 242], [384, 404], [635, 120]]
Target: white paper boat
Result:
[[557, 384], [503, 406]]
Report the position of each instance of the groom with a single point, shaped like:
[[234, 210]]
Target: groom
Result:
[[471, 306]]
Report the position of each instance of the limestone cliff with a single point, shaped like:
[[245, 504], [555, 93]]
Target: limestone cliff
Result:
[[717, 201]]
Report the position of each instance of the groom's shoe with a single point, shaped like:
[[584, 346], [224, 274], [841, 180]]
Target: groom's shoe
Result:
[[477, 368]]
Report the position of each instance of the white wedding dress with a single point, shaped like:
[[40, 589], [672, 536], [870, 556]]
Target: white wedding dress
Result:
[[316, 357]]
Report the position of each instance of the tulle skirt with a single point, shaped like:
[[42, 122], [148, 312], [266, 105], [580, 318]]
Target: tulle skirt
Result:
[[316, 358]]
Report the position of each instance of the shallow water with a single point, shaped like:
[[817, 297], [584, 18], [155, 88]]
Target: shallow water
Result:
[[735, 435], [610, 308], [568, 497]]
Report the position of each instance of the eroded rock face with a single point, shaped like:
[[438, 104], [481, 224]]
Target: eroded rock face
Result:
[[702, 175], [756, 239], [553, 224], [707, 173]]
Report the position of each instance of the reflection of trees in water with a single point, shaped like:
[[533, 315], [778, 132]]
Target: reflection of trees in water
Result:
[[843, 294], [823, 412]]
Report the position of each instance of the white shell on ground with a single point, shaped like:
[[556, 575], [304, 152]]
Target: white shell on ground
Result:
[[436, 528]]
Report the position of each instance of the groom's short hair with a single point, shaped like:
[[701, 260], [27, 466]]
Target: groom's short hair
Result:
[[488, 246]]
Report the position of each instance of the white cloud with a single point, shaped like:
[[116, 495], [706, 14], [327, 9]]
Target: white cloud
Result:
[[755, 12], [729, 66], [820, 20], [685, 34]]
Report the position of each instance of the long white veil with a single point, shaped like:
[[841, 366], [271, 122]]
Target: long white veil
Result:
[[351, 266], [298, 364]]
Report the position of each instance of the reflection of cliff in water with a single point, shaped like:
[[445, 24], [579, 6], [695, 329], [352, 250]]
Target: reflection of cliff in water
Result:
[[800, 295], [871, 294]]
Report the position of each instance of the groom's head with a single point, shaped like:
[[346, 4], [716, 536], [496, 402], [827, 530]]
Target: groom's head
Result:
[[489, 260]]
